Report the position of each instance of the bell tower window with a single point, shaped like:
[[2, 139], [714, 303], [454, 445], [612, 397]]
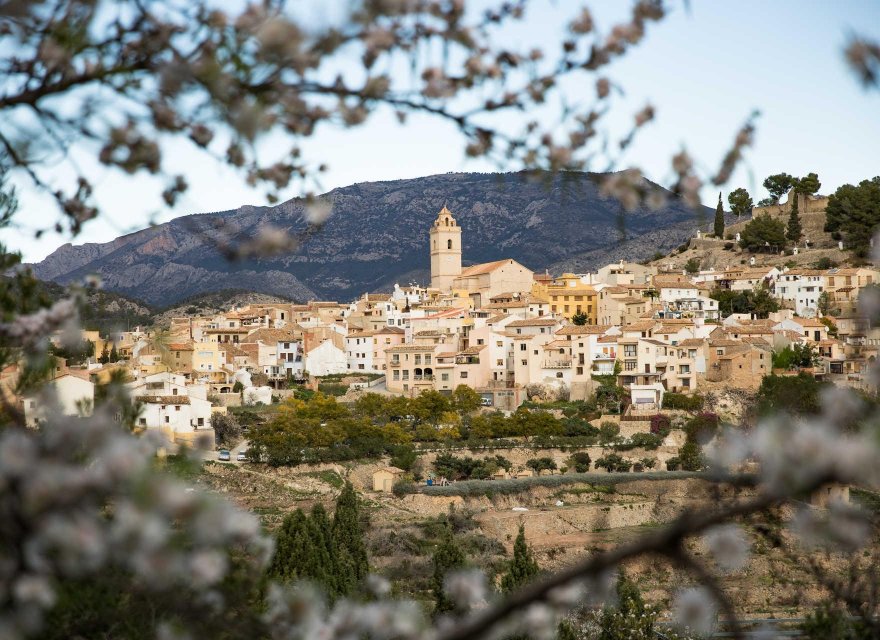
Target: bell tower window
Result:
[[449, 243]]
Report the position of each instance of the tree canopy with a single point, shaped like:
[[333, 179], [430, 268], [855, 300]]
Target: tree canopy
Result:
[[778, 185], [740, 202], [853, 212], [762, 232], [758, 302]]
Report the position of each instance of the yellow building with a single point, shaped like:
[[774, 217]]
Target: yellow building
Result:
[[569, 295]]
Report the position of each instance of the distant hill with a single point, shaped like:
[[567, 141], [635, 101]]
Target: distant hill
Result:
[[377, 236], [211, 303], [104, 311]]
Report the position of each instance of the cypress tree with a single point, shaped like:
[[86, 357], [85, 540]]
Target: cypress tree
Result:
[[293, 546], [348, 535], [114, 354], [447, 556], [793, 232], [104, 358], [719, 218], [318, 563], [522, 567]]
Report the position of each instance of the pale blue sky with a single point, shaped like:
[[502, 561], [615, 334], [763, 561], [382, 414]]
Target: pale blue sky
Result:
[[704, 70]]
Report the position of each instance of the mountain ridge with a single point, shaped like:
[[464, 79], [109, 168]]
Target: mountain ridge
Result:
[[378, 235]]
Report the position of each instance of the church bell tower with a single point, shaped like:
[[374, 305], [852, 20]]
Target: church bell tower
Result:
[[445, 239]]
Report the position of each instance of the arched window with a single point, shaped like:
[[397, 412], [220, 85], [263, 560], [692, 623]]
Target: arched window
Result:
[[449, 243], [446, 221]]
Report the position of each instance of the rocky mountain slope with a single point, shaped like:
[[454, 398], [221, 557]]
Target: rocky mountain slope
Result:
[[377, 235]]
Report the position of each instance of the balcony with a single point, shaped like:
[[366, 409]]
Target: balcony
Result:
[[560, 363]]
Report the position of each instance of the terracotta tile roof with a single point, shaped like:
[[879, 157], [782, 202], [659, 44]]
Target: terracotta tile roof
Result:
[[515, 304], [665, 328], [808, 322], [497, 318], [692, 342], [151, 399], [755, 341], [724, 342], [583, 330], [270, 336], [533, 322], [486, 267], [406, 348], [631, 300], [642, 325], [472, 351], [608, 339]]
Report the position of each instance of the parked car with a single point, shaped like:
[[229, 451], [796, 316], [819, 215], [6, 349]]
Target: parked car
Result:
[[242, 456], [224, 455], [486, 402]]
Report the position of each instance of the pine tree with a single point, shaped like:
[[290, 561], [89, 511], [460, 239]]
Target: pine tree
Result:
[[719, 218], [447, 557], [348, 534], [522, 566], [793, 232]]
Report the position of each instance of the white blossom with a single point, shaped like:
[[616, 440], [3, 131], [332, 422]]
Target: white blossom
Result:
[[694, 610], [466, 589], [729, 546], [842, 527], [318, 211]]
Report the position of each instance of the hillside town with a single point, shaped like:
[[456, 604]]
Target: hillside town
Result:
[[510, 334]]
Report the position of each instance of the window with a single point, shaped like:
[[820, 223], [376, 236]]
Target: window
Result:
[[558, 374], [449, 243], [444, 377], [580, 370], [396, 374], [174, 391], [499, 343], [499, 362], [200, 422], [427, 358], [463, 374], [177, 407], [629, 365], [524, 362], [167, 419], [522, 346], [142, 421], [536, 352], [406, 375]]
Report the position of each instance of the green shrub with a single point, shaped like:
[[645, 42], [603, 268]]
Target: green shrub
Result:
[[580, 461], [613, 462], [691, 457], [702, 428], [683, 402], [608, 431]]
